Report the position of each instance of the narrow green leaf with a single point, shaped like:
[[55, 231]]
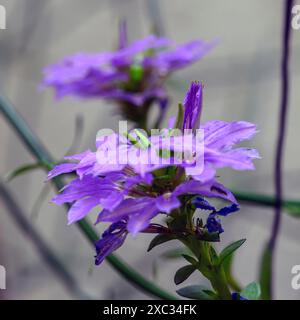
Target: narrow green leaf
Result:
[[183, 273], [213, 255], [197, 292], [252, 291], [160, 239], [190, 259], [24, 169], [230, 249], [265, 274], [227, 267], [179, 119], [175, 253]]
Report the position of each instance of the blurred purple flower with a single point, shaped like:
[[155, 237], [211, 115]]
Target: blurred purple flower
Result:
[[133, 74]]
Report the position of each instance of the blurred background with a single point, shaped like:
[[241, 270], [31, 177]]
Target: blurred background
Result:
[[242, 81]]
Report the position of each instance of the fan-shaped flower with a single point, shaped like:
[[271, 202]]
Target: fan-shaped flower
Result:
[[132, 192], [133, 74]]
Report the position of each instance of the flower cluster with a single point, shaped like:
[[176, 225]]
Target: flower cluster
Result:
[[131, 194], [133, 75]]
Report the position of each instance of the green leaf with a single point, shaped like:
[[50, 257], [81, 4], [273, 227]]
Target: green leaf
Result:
[[252, 291], [160, 239], [24, 169], [213, 255], [265, 274], [230, 249], [227, 267], [175, 253], [190, 259], [183, 273], [179, 119], [197, 292]]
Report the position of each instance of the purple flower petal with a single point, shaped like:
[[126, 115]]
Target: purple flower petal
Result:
[[207, 174], [85, 187], [203, 204], [238, 159], [228, 210], [111, 240], [211, 189], [179, 57], [112, 201], [192, 106], [81, 208], [126, 208], [140, 221], [78, 156], [60, 169], [221, 134], [213, 224], [167, 202]]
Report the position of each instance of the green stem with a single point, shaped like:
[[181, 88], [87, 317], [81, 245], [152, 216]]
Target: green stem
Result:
[[210, 270], [42, 155], [213, 272], [233, 283], [264, 200], [219, 283]]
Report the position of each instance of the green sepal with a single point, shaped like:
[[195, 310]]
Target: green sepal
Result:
[[160, 239]]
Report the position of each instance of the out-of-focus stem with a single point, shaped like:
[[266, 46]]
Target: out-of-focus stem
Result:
[[264, 200], [278, 168], [16, 213]]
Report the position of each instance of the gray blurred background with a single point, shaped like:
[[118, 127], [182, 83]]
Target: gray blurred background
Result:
[[241, 77]]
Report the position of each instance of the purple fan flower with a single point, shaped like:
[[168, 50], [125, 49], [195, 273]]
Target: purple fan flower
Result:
[[132, 192], [133, 74]]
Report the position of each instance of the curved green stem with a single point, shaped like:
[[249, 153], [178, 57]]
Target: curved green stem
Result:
[[42, 155]]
